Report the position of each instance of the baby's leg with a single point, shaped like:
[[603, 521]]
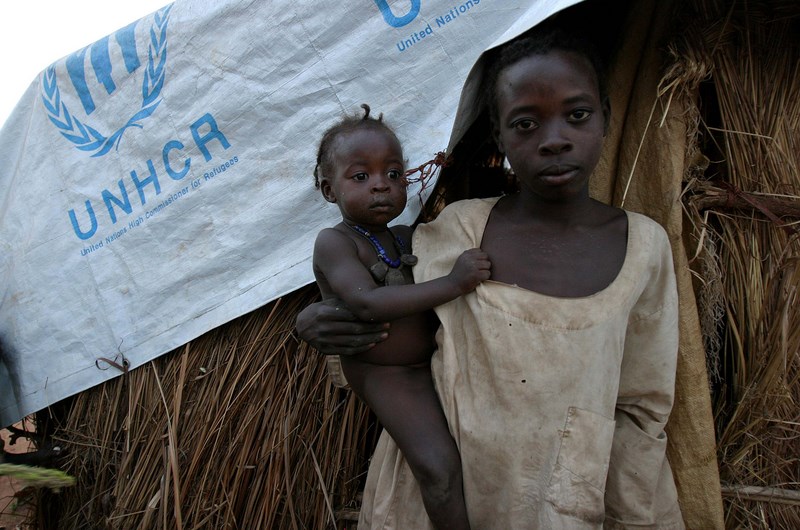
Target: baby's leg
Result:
[[403, 399]]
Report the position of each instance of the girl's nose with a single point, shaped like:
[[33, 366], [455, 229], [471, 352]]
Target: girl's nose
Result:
[[553, 141]]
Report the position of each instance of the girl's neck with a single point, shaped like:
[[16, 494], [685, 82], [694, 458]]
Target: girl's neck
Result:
[[565, 211]]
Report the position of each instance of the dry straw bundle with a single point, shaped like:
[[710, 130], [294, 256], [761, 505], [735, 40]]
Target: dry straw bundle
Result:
[[743, 199], [238, 429]]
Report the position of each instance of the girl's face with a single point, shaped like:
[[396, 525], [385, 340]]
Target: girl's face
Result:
[[551, 123], [367, 182]]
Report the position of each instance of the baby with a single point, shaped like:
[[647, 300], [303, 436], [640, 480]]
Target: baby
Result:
[[367, 265]]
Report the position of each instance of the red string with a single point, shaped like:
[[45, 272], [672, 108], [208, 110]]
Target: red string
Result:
[[427, 172]]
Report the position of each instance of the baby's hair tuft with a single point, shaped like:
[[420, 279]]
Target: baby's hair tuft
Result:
[[346, 124]]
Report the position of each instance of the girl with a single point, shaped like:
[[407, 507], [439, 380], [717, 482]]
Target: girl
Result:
[[557, 375], [365, 264]]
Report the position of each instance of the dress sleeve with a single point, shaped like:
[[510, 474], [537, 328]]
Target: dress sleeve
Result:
[[640, 489]]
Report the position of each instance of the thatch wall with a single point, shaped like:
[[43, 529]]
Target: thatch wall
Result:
[[237, 429], [240, 428], [743, 201]]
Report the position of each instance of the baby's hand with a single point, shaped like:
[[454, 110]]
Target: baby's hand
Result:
[[471, 268]]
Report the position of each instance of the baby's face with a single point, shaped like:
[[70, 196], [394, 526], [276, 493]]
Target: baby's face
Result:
[[551, 122], [367, 183]]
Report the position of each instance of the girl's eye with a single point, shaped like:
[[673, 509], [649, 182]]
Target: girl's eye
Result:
[[360, 177], [524, 124], [394, 174], [579, 115]]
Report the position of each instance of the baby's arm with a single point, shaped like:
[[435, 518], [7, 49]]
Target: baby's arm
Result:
[[336, 258]]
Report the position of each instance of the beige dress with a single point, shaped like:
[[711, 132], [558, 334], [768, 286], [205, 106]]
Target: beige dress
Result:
[[558, 405]]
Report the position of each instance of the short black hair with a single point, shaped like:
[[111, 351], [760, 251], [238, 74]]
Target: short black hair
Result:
[[345, 125], [540, 41]]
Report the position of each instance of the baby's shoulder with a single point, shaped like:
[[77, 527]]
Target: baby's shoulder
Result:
[[332, 233], [330, 240]]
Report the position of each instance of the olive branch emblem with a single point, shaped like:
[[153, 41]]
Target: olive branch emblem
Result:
[[87, 138]]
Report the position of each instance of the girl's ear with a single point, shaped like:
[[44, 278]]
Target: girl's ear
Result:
[[327, 190], [606, 115], [497, 140]]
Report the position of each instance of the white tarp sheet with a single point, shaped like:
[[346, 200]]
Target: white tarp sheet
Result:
[[157, 183]]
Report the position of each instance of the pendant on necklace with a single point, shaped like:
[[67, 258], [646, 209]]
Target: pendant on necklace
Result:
[[379, 271], [388, 271], [395, 277], [408, 259]]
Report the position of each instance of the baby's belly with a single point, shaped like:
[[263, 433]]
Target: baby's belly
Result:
[[411, 341]]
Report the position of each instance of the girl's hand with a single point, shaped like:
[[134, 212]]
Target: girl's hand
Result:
[[332, 329], [471, 268]]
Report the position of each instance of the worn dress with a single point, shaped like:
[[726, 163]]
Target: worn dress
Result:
[[558, 405]]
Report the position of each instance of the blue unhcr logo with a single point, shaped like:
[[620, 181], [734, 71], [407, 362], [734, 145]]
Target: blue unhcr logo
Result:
[[392, 19], [82, 135]]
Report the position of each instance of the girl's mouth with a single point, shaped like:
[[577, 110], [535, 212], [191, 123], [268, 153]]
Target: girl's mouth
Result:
[[557, 174]]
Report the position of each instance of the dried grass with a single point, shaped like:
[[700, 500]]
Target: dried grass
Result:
[[748, 247], [238, 429]]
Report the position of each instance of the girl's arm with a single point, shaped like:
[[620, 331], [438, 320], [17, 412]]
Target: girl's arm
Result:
[[331, 328], [640, 489], [336, 258]]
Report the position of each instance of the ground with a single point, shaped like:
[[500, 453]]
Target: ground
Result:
[[12, 516]]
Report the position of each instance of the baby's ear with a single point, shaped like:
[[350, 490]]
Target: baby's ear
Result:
[[327, 190], [606, 115]]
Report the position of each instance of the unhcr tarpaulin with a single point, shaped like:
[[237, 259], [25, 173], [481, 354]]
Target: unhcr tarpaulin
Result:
[[157, 183]]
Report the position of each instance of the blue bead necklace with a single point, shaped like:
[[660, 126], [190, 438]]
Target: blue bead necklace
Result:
[[393, 263]]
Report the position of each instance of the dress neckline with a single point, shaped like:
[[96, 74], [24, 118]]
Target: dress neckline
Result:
[[621, 273]]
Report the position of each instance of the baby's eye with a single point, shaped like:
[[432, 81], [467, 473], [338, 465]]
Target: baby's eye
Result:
[[579, 115], [395, 174], [360, 177], [524, 124]]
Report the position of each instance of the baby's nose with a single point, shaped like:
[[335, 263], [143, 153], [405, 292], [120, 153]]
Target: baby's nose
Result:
[[380, 183]]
